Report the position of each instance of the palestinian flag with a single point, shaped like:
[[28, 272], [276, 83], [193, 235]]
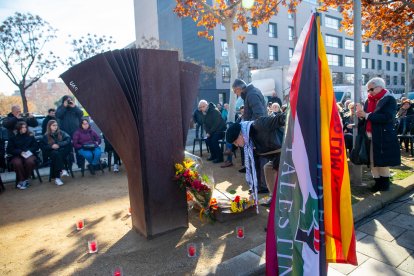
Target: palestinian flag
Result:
[[310, 221]]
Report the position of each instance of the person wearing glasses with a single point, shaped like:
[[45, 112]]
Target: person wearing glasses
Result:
[[377, 119]]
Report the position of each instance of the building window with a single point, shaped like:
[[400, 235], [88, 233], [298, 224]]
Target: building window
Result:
[[291, 33], [333, 41], [337, 78], [402, 55], [252, 50], [349, 61], [388, 50], [224, 49], [396, 55], [365, 48], [252, 30], [273, 53], [349, 78], [290, 53], [349, 44], [388, 66], [225, 73], [222, 27], [373, 63], [395, 80], [334, 60], [364, 79], [379, 49], [290, 15], [332, 22], [395, 66], [272, 30], [379, 64], [402, 80], [387, 80], [364, 63], [402, 67]]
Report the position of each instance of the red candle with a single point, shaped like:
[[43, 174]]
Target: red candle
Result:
[[93, 246], [191, 251], [240, 232], [117, 272], [79, 225], [129, 211]]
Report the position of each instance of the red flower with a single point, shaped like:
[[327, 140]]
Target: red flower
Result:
[[237, 199]]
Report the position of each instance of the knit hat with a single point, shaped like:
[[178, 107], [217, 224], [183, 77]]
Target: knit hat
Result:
[[233, 132]]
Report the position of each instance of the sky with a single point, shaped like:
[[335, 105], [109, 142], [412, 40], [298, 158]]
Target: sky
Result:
[[77, 18]]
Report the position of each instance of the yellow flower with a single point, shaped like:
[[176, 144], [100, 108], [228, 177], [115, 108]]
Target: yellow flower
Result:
[[188, 164], [179, 168]]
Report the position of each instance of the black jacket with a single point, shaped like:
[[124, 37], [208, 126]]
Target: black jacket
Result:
[[69, 118], [11, 121], [213, 121], [45, 121], [386, 148], [267, 133], [198, 117], [62, 143], [22, 142], [254, 103]]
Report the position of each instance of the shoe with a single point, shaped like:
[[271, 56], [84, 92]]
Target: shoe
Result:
[[242, 170], [263, 191], [26, 183], [59, 182], [267, 202], [64, 173], [215, 161], [226, 164], [385, 183], [91, 169], [21, 185], [376, 186], [116, 168], [211, 158]]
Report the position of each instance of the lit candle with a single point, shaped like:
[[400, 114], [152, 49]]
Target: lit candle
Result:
[[79, 225], [117, 272], [240, 232], [93, 246], [191, 250]]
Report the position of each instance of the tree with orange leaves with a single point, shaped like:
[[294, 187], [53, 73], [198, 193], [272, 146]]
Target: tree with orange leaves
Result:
[[233, 15], [389, 21]]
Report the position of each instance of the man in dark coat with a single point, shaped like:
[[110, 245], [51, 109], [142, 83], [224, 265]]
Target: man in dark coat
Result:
[[378, 120], [51, 115], [68, 115], [16, 116], [254, 102], [198, 120], [214, 126]]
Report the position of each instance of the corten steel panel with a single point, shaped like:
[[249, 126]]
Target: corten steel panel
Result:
[[189, 81], [136, 99]]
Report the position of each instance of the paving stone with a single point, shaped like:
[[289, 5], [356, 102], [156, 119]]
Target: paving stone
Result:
[[359, 235], [407, 209], [347, 268], [381, 250], [374, 267], [333, 272], [243, 264], [405, 221], [386, 216], [406, 240], [408, 265], [260, 250], [382, 230]]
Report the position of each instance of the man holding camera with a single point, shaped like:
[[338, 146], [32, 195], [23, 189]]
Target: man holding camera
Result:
[[68, 115], [16, 116]]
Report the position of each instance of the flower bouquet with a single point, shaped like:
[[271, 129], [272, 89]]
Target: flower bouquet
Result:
[[198, 186]]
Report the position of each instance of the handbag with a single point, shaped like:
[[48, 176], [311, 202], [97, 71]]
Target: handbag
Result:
[[88, 146], [359, 154]]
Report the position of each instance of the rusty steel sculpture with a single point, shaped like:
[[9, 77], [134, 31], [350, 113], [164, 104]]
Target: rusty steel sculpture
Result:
[[142, 100]]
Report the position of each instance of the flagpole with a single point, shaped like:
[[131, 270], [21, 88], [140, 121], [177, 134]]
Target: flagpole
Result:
[[356, 170]]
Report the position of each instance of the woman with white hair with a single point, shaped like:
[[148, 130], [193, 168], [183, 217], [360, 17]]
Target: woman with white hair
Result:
[[377, 119]]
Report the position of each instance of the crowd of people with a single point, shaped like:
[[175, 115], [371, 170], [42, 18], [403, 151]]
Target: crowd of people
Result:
[[66, 133]]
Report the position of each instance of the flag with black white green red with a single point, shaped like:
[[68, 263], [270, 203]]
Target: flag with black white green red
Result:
[[310, 221]]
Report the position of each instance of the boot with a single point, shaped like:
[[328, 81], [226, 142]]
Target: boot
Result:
[[385, 183], [91, 169], [377, 185]]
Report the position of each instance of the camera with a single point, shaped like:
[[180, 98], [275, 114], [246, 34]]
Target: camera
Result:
[[70, 102]]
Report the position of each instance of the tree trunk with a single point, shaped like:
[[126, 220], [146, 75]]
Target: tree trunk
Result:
[[24, 100], [228, 24], [407, 70]]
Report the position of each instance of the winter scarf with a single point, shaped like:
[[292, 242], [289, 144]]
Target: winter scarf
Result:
[[372, 103]]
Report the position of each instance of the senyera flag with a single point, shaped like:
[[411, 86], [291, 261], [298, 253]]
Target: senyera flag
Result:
[[310, 221]]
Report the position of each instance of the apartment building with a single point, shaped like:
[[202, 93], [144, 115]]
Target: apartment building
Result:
[[272, 44]]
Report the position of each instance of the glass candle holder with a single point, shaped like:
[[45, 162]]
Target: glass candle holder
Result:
[[191, 250], [240, 232], [93, 246], [80, 224]]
